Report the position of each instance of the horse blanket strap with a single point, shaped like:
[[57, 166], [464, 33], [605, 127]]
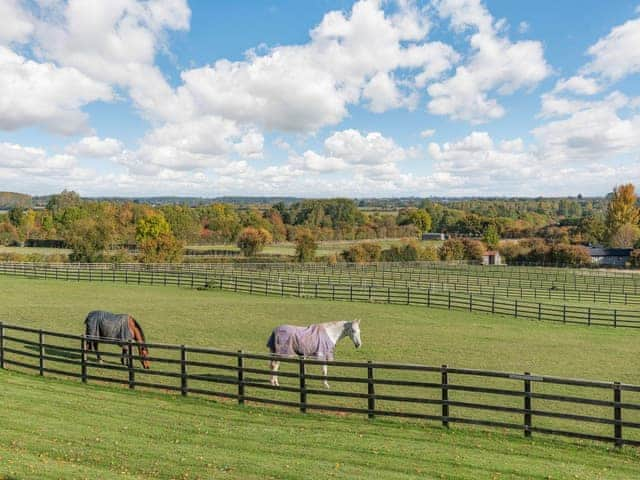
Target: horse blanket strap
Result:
[[108, 325], [311, 341]]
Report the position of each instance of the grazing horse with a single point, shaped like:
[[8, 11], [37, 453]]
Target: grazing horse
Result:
[[120, 327], [316, 341]]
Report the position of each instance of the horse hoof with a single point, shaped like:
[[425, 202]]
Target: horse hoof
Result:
[[326, 385]]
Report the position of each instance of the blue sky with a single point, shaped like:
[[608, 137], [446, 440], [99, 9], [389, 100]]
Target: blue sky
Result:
[[319, 98]]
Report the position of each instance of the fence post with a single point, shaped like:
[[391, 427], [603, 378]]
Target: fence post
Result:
[[303, 386], [564, 314], [429, 297], [83, 359], [515, 307], [617, 414], [240, 377], [470, 302], [183, 371], [445, 397], [527, 404], [1, 345], [615, 318], [589, 316], [132, 374], [371, 398], [493, 302], [41, 353], [449, 305]]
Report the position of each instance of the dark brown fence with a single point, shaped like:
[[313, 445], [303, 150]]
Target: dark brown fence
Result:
[[427, 297], [584, 409]]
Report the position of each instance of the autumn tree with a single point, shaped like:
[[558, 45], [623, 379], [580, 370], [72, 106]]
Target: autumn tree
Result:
[[252, 240], [625, 237], [156, 241], [306, 246], [491, 237], [622, 209]]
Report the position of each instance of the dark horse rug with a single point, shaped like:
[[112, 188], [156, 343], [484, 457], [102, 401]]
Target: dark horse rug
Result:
[[114, 326], [311, 341]]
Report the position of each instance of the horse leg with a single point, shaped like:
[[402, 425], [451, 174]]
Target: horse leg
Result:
[[95, 347], [124, 352], [274, 370], [324, 374]]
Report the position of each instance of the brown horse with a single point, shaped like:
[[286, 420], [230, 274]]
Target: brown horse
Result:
[[122, 328]]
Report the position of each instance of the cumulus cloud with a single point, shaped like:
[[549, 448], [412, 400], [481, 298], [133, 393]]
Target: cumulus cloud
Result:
[[427, 133], [17, 26], [616, 55], [114, 42], [578, 84], [305, 87], [593, 130], [496, 65], [372, 154], [95, 147], [44, 94]]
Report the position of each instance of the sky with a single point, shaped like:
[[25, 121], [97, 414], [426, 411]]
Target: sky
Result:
[[319, 98]]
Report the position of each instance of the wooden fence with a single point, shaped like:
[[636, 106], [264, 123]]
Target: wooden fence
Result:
[[426, 297], [523, 402]]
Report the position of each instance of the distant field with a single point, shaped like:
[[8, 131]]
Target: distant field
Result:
[[54, 429], [324, 248], [36, 250]]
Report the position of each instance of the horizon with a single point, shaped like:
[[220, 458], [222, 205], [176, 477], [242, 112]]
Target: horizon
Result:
[[335, 98]]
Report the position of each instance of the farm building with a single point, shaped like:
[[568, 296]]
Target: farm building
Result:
[[616, 257], [491, 257], [433, 236]]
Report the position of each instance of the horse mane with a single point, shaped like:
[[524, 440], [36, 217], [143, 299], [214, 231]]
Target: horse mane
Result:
[[135, 322]]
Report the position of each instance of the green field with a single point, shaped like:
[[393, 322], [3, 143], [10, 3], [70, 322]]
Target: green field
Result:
[[53, 429], [393, 333]]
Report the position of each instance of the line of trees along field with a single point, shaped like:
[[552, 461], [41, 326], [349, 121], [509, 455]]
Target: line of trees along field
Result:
[[552, 228]]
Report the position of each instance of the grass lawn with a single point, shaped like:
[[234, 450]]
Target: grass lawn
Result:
[[54, 429], [405, 334], [397, 333]]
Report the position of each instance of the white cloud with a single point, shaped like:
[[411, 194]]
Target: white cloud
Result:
[[496, 65], [617, 55], [115, 42], [17, 25], [371, 154], [593, 131], [427, 133], [95, 147], [305, 87], [578, 84], [43, 94], [523, 27]]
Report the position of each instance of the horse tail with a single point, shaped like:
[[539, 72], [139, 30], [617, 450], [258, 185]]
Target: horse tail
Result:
[[271, 343]]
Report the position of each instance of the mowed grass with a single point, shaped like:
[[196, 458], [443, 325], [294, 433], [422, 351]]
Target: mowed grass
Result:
[[405, 334], [55, 429], [396, 333]]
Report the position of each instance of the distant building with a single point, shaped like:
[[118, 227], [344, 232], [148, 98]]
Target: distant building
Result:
[[433, 236], [491, 257], [615, 257]]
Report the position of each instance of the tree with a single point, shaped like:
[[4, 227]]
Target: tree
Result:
[[622, 209], [491, 237], [156, 240], [473, 249], [635, 258], [8, 234], [421, 219], [452, 249], [65, 199], [15, 216], [253, 240], [625, 237], [306, 246]]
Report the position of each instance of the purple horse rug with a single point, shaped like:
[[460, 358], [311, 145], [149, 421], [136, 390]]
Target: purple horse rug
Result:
[[311, 341]]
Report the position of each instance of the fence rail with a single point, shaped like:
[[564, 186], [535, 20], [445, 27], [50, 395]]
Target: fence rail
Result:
[[427, 297], [526, 402]]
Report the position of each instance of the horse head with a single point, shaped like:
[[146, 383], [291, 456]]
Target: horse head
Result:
[[354, 332]]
